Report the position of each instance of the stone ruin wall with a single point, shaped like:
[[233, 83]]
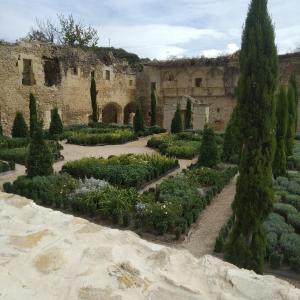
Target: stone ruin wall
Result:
[[176, 79], [60, 76]]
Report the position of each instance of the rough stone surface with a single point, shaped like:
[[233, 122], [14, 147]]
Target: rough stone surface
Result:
[[46, 254]]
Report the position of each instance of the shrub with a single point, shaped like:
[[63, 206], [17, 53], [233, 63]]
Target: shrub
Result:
[[9, 143], [6, 166], [284, 209], [56, 126], [290, 244], [294, 220], [33, 114], [275, 260], [138, 121], [275, 223], [293, 200], [17, 155], [204, 176], [295, 263], [19, 128], [176, 125]]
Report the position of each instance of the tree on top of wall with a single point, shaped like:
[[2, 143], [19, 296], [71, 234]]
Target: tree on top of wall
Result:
[[56, 125], [188, 115], [19, 128], [176, 125], [153, 108], [33, 114], [254, 197], [93, 92]]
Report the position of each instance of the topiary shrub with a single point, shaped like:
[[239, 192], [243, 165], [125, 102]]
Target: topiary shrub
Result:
[[19, 128], [294, 220], [56, 126], [176, 125], [284, 209], [138, 121]]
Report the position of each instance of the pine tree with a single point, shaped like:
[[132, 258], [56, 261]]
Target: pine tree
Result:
[[293, 82], [188, 115], [19, 128], [209, 156], [33, 114], [1, 128], [40, 158], [254, 198], [153, 108], [56, 125], [292, 120], [138, 121], [93, 92], [279, 163], [232, 141], [176, 125]]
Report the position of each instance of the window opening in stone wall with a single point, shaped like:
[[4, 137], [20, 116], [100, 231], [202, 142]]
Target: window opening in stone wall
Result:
[[75, 71], [107, 75], [28, 75], [130, 82], [218, 109], [198, 82], [153, 86], [171, 77], [52, 72]]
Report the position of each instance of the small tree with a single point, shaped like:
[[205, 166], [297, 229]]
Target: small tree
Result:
[[93, 92], [1, 128], [293, 83], [279, 163], [40, 158], [291, 121], [153, 108], [56, 125], [232, 140], [209, 156], [19, 128], [138, 121], [176, 125], [188, 115], [33, 114]]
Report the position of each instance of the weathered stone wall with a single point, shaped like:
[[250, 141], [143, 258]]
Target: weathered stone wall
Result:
[[209, 81], [60, 76]]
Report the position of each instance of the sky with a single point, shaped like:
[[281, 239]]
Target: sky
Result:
[[157, 29]]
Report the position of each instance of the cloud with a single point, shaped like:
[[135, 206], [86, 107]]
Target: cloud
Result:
[[230, 49]]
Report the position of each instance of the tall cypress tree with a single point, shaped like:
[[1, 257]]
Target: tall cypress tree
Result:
[[93, 92], [292, 120], [19, 128], [1, 128], [254, 196], [293, 82], [153, 108], [176, 125], [188, 115], [279, 163], [138, 121], [33, 114], [56, 125]]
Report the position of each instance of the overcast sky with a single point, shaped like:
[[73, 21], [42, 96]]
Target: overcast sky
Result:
[[158, 28]]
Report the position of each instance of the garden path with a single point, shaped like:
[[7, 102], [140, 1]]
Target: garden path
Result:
[[202, 235], [73, 152]]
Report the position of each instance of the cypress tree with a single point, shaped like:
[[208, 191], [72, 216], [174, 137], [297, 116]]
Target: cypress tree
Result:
[[153, 108], [254, 197], [176, 125], [138, 121], [188, 115], [292, 120], [19, 128], [232, 140], [1, 128], [279, 163], [293, 82], [209, 156], [40, 158], [33, 114], [93, 92], [56, 125]]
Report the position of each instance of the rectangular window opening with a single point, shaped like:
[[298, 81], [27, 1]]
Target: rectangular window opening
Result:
[[198, 82]]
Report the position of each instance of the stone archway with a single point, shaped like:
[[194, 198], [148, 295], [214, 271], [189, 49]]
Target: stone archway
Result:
[[111, 113], [129, 111]]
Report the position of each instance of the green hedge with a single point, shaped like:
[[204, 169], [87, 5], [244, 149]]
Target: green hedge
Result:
[[284, 209], [294, 220], [7, 166], [126, 170], [9, 143]]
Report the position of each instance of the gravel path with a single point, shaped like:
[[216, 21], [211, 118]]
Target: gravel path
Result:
[[202, 235]]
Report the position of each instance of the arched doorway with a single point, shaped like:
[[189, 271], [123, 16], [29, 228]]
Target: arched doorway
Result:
[[129, 111], [111, 113]]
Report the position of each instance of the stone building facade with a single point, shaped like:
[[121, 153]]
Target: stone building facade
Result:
[[61, 76]]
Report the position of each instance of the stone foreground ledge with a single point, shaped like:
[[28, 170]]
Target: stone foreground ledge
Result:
[[45, 254]]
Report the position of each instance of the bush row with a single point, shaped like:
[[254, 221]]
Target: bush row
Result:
[[126, 170], [7, 166]]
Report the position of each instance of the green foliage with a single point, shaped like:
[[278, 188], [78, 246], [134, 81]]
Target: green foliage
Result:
[[153, 108], [19, 128], [93, 92], [56, 126], [232, 141], [293, 200], [176, 125], [126, 170], [138, 121], [293, 83], [279, 163], [33, 114], [6, 166], [209, 156], [284, 209], [257, 84], [1, 128], [17, 155], [40, 158], [294, 220], [292, 121], [47, 190], [290, 244], [188, 115]]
